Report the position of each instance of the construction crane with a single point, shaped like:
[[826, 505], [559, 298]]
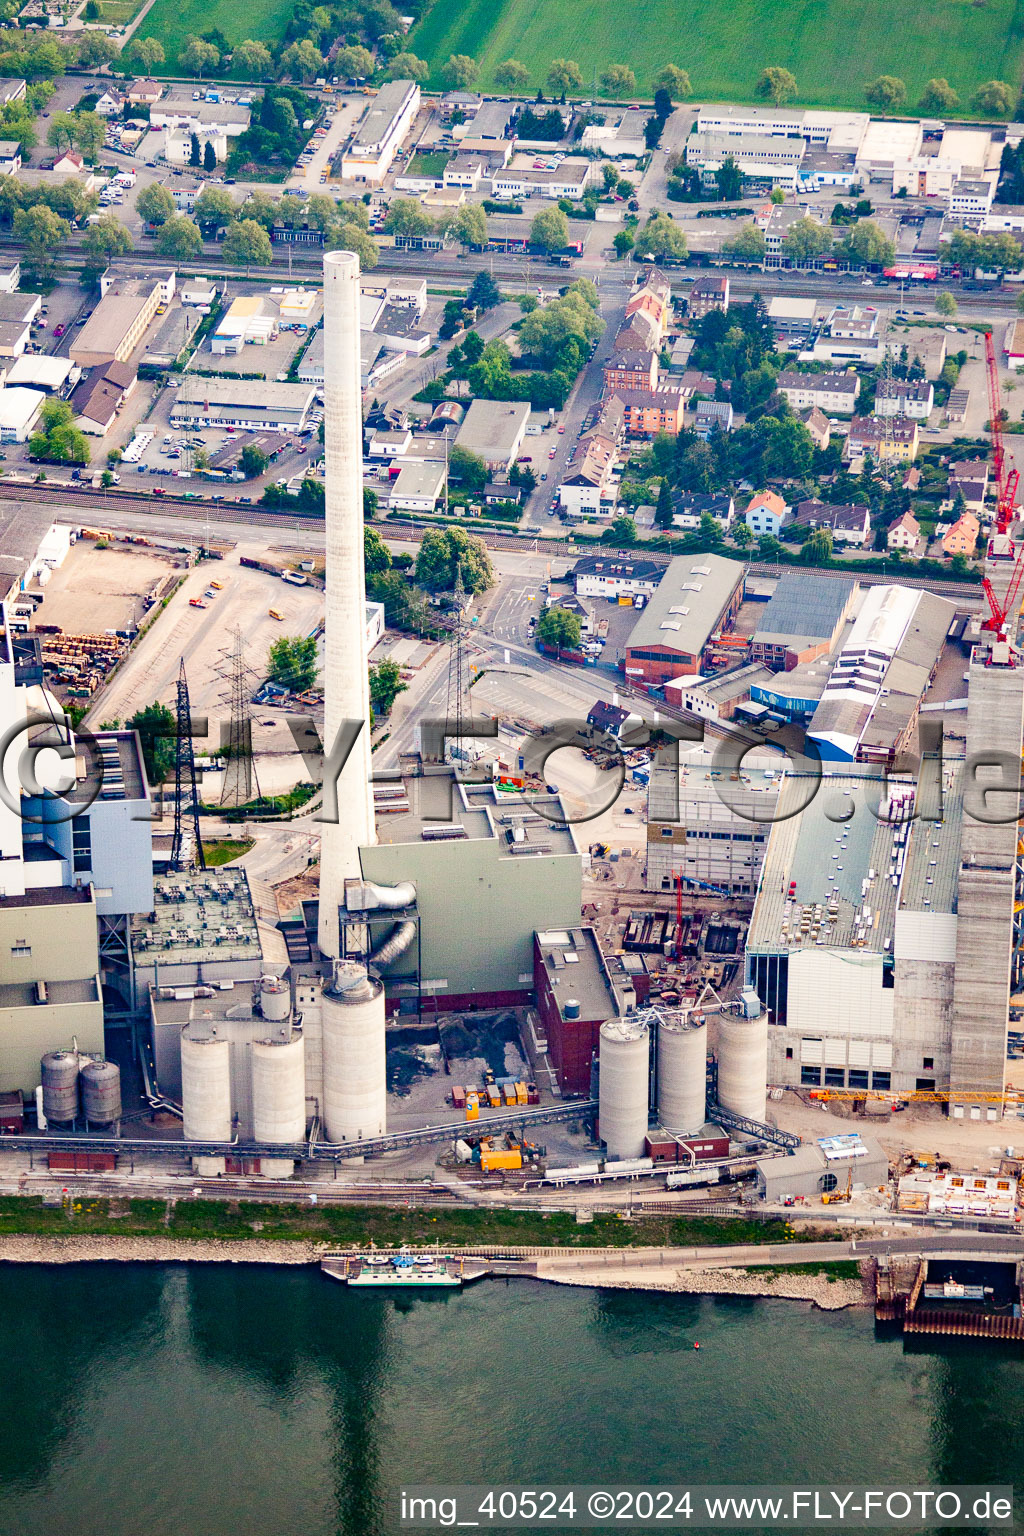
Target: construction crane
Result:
[[1001, 546]]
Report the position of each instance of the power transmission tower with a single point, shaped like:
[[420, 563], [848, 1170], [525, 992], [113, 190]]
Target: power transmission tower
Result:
[[455, 720], [185, 783], [239, 770]]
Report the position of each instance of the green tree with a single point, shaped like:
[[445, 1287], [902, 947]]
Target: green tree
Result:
[[866, 243], [559, 629], [376, 555], [354, 61], [459, 72], [216, 206], [564, 76], [103, 240], [247, 244], [938, 97], [817, 547], [776, 84], [661, 236], [994, 99], [406, 66], [385, 685], [467, 469], [292, 662], [550, 229], [350, 237], [209, 156], [484, 293], [42, 234], [445, 553], [512, 76], [145, 53], [253, 60], [623, 242], [945, 304], [254, 461], [469, 227], [302, 61], [197, 57], [179, 239], [747, 244], [154, 204], [674, 80], [806, 239], [887, 92], [406, 216], [618, 80], [157, 730]]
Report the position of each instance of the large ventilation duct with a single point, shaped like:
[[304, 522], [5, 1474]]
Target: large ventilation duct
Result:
[[346, 679]]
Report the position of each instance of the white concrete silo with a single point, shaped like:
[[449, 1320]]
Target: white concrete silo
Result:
[[206, 1094], [624, 1054], [743, 1064], [279, 1098], [682, 1073], [346, 684], [353, 1044]]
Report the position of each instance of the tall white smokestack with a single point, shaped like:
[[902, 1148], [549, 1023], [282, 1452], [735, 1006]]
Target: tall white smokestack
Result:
[[346, 684]]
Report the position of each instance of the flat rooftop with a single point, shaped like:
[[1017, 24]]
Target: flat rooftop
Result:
[[437, 808], [200, 915], [826, 860]]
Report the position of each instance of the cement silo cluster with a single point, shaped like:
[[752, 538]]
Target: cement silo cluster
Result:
[[77, 1087], [624, 1085]]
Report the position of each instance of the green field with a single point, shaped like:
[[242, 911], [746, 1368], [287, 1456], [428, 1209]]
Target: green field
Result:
[[831, 48], [171, 21]]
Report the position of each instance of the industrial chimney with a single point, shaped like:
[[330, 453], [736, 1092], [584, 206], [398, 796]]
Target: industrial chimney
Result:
[[346, 684]]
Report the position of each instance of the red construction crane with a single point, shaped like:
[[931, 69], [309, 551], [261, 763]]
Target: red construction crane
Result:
[[1006, 483]]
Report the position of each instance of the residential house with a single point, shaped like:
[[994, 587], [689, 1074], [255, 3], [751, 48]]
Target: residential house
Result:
[[709, 292], [650, 411], [688, 507], [832, 393], [887, 440], [849, 523], [905, 534], [712, 416], [765, 514], [962, 538], [817, 424], [904, 397], [631, 370]]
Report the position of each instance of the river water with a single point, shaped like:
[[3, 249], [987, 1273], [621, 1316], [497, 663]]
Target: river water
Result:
[[162, 1400]]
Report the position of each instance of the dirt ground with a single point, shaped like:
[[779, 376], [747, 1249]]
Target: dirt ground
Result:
[[98, 589]]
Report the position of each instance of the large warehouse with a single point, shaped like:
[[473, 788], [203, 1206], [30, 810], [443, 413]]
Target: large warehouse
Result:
[[698, 596]]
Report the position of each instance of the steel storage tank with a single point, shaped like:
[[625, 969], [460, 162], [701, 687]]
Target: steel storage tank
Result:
[[101, 1092], [743, 1065], [355, 1096], [624, 1053], [59, 1078], [206, 1095], [279, 1099], [275, 999], [682, 1073]]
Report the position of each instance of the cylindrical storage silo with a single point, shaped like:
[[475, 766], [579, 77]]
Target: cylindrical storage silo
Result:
[[206, 1095], [101, 1092], [60, 1086], [355, 1092], [743, 1065], [624, 1054], [279, 1099], [682, 1074], [275, 999]]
